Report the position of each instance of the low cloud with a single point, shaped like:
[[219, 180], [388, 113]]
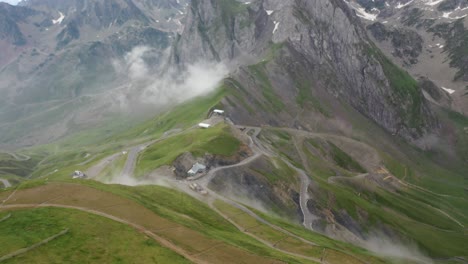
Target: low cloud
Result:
[[152, 85], [199, 79], [384, 246]]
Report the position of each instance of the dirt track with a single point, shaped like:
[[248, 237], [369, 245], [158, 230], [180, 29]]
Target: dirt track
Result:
[[194, 245], [140, 229]]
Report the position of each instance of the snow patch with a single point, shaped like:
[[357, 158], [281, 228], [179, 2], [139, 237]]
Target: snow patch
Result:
[[460, 9], [433, 2], [59, 20], [447, 15], [361, 12], [276, 26], [450, 91], [269, 12], [400, 5]]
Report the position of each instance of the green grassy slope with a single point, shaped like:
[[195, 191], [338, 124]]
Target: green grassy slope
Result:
[[414, 213], [216, 140], [91, 239]]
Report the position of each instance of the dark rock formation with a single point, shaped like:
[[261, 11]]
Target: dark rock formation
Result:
[[450, 5], [183, 164], [407, 43], [328, 42]]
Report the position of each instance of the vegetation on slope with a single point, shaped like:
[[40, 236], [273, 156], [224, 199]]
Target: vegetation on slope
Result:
[[405, 87], [456, 45], [259, 72], [90, 238], [216, 140], [343, 160]]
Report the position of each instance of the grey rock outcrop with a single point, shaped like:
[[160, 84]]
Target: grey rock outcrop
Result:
[[325, 38], [407, 44], [183, 163]]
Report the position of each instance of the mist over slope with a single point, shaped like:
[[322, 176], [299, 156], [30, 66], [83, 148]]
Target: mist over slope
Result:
[[69, 64]]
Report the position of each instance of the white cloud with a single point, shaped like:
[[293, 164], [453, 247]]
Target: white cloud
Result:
[[151, 87], [11, 2]]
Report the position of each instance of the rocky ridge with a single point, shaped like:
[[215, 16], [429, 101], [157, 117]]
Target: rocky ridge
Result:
[[426, 37], [311, 48]]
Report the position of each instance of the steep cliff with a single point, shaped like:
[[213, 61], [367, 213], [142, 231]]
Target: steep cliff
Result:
[[297, 53], [438, 31]]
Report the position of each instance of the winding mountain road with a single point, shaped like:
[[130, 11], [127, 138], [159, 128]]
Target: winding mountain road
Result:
[[95, 170], [18, 157], [259, 150], [130, 164], [309, 218]]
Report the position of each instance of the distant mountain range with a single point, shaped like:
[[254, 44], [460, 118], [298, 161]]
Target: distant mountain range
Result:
[[55, 53]]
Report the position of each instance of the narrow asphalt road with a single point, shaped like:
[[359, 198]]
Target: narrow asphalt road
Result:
[[204, 180], [260, 150], [309, 218], [95, 170], [130, 164]]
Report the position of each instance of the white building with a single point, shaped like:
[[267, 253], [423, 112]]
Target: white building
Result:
[[78, 175], [196, 168], [204, 125], [219, 112]]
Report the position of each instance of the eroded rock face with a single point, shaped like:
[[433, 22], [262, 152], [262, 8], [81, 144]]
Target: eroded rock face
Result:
[[326, 38], [449, 5], [246, 184], [183, 164], [407, 44]]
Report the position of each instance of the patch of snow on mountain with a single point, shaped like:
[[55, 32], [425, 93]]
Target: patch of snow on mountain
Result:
[[59, 20], [276, 26], [461, 9], [447, 15], [450, 91], [361, 12], [269, 12], [433, 2], [400, 5]]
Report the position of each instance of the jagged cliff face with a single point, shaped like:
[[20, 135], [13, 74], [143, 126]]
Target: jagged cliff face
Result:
[[312, 53], [426, 37], [293, 62]]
